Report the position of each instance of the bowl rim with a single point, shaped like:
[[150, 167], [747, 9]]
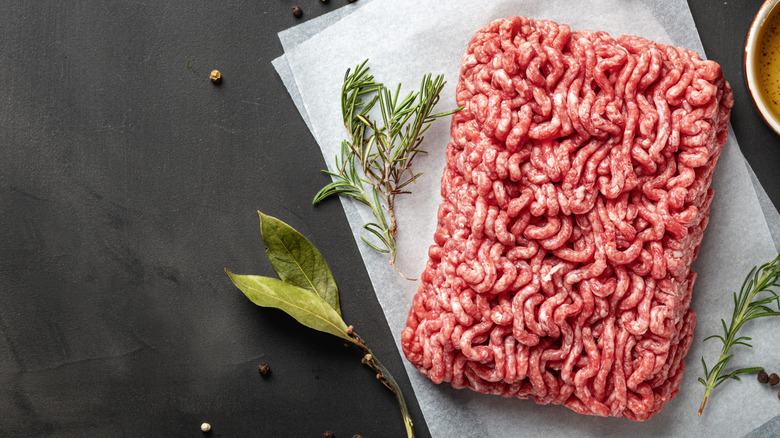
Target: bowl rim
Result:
[[749, 61]]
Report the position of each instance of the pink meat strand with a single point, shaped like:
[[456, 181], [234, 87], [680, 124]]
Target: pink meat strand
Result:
[[575, 194]]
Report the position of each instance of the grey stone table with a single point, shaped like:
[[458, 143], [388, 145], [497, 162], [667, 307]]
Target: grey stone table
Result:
[[128, 182]]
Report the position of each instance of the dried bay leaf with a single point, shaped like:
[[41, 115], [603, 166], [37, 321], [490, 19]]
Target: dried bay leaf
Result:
[[308, 293], [307, 308], [297, 261]]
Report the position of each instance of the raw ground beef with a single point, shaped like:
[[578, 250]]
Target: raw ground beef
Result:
[[575, 194]]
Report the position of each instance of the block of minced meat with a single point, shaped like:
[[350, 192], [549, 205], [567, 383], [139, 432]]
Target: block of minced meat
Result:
[[575, 193]]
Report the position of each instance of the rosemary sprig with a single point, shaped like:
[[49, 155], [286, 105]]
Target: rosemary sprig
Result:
[[375, 162], [746, 307]]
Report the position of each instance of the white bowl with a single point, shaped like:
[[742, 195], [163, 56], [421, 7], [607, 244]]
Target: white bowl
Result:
[[752, 47]]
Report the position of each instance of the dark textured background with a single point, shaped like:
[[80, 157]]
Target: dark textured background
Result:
[[128, 182]]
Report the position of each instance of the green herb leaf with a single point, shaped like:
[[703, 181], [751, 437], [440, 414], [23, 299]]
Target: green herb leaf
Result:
[[286, 247], [307, 308], [759, 281], [384, 146], [297, 261]]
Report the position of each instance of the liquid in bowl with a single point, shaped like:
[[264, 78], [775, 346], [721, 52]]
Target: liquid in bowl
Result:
[[766, 63]]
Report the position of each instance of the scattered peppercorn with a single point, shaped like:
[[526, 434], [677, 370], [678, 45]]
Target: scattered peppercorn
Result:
[[263, 369], [297, 11], [215, 76], [763, 377], [205, 428], [774, 379], [328, 434]]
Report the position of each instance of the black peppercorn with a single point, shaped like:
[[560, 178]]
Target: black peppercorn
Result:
[[763, 377], [328, 434], [263, 369], [297, 11], [774, 379]]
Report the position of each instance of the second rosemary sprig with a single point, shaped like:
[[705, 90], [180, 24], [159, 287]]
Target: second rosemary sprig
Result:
[[752, 302], [374, 165]]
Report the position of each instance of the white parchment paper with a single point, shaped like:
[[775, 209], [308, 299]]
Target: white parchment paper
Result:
[[405, 39]]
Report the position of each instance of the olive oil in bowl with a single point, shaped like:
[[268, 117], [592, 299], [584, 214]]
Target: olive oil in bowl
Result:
[[767, 62], [762, 62]]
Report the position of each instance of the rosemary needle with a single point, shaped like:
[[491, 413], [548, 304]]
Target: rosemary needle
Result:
[[747, 305], [375, 163]]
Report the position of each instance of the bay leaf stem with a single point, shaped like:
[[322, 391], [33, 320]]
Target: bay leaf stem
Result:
[[384, 376]]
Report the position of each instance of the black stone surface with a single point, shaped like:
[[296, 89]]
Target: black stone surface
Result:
[[128, 182]]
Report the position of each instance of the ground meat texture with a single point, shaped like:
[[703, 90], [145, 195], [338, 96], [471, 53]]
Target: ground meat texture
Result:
[[575, 194]]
